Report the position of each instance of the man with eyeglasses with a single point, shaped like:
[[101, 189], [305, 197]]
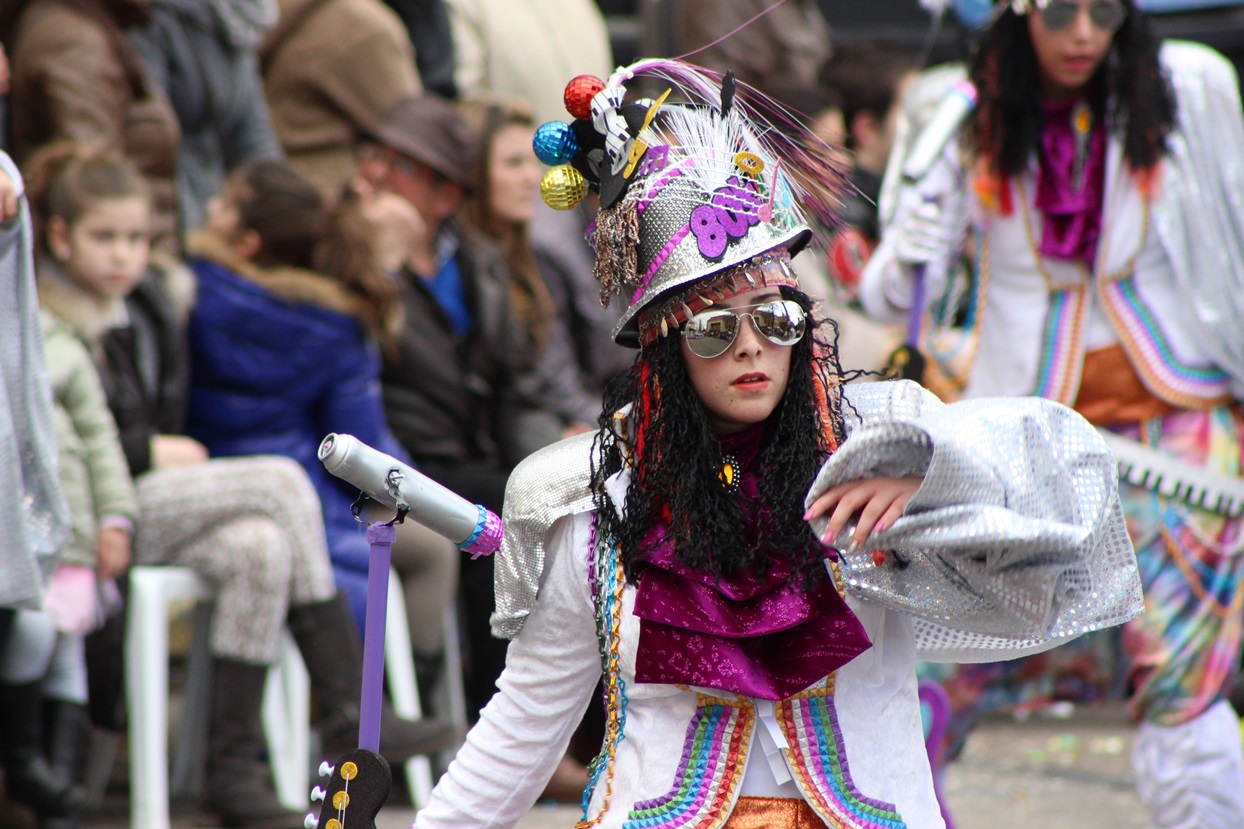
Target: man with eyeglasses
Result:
[[1095, 191], [454, 389]]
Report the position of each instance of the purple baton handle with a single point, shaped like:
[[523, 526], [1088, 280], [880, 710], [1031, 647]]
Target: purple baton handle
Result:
[[380, 538]]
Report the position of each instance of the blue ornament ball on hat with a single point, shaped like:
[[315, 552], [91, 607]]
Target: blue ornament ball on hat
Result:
[[563, 187], [555, 143]]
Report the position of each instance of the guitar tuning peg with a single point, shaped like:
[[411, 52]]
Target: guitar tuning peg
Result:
[[317, 794], [311, 821], [326, 770]]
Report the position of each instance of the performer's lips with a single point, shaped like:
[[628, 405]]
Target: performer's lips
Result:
[[1078, 63], [754, 381]]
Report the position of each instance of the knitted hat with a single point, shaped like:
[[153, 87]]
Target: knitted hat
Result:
[[697, 197]]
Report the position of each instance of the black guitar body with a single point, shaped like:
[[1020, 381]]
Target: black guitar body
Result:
[[357, 787]]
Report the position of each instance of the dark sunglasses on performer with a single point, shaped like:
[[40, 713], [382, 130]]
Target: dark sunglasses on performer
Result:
[[711, 332], [1106, 15]]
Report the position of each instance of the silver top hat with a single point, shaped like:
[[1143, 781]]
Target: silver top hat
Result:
[[689, 189]]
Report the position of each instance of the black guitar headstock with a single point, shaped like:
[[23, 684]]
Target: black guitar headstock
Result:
[[357, 787]]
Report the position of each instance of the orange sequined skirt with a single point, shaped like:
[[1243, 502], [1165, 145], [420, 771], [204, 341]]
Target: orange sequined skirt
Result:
[[773, 813]]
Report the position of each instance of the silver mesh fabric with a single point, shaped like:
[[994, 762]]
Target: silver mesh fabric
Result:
[[547, 485], [1016, 538], [33, 511]]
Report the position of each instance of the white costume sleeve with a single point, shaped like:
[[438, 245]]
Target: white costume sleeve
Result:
[[1015, 540], [550, 673], [886, 285]]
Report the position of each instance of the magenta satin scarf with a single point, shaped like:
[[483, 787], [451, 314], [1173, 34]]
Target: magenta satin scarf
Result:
[[753, 633], [1072, 218]]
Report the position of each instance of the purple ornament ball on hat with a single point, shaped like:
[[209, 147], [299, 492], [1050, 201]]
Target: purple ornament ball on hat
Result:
[[555, 143]]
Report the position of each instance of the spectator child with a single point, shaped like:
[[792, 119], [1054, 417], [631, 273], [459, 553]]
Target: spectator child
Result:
[[250, 527]]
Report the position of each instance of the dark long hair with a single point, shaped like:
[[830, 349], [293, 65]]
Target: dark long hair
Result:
[[1008, 119], [675, 459]]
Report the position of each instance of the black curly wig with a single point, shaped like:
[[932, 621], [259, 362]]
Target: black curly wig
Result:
[[676, 458], [1007, 123]]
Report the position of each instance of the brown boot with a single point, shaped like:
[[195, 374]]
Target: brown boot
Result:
[[331, 647], [239, 785]]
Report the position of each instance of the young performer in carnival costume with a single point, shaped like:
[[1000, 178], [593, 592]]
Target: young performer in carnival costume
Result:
[[754, 674], [1099, 182]]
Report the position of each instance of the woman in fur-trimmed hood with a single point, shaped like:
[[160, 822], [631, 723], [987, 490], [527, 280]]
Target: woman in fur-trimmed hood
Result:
[[285, 343]]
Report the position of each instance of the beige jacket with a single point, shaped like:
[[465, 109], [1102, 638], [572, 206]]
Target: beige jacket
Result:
[[787, 46], [332, 70], [527, 49]]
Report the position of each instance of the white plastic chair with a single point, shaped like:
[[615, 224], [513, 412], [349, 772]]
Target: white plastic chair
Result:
[[286, 710]]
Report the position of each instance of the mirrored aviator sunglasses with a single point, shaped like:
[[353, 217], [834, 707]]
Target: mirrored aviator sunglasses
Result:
[[1106, 15], [711, 332]]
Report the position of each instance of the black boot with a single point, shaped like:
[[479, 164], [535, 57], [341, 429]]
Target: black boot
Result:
[[66, 730], [330, 645], [429, 668], [28, 777], [239, 783]]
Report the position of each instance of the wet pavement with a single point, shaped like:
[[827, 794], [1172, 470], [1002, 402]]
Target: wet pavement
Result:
[[1041, 773]]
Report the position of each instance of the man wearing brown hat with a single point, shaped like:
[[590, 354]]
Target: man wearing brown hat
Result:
[[454, 384]]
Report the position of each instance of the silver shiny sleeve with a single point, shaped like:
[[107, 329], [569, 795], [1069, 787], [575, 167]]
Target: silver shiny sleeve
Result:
[[1015, 540], [547, 485]]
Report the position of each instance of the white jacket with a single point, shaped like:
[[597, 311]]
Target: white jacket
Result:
[[1168, 277], [1014, 543]]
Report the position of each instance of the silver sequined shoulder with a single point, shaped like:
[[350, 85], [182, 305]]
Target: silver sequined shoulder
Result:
[[547, 485]]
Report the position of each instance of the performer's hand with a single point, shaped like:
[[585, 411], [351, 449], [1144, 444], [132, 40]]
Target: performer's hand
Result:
[[922, 236], [876, 503]]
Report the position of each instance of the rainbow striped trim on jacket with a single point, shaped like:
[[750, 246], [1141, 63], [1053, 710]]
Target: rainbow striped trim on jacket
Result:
[[818, 757], [709, 771]]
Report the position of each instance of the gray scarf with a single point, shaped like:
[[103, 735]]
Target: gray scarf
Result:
[[243, 22]]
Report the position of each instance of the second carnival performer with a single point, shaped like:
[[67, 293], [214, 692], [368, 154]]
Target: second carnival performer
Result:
[[1099, 182], [750, 553]]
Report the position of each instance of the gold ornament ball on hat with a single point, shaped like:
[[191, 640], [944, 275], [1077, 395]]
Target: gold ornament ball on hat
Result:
[[563, 187]]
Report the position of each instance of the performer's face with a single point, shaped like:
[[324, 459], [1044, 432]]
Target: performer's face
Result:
[[744, 384], [1071, 38]]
